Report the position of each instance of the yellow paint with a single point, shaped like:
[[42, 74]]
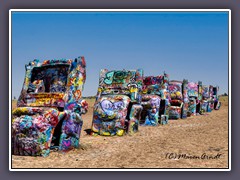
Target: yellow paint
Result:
[[22, 110], [106, 133], [173, 95], [94, 129], [99, 90], [112, 116], [178, 93], [120, 132], [132, 89], [144, 91]]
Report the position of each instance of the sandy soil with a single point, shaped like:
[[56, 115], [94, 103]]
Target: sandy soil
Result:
[[151, 147]]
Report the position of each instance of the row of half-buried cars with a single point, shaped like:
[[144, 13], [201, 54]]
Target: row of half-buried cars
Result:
[[49, 109]]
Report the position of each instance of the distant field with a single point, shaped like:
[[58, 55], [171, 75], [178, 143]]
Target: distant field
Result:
[[224, 100], [148, 148]]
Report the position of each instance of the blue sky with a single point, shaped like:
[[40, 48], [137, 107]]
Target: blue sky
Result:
[[191, 45]]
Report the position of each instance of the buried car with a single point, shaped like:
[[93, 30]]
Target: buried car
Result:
[[117, 108], [205, 98], [178, 99], [155, 100], [215, 98], [210, 98], [48, 113], [195, 98]]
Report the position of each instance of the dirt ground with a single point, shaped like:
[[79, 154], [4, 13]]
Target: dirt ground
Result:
[[204, 136]]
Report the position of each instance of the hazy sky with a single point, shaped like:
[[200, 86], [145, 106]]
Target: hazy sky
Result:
[[191, 45]]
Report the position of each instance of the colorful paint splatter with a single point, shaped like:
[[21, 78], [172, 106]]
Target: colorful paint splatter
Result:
[[49, 109], [195, 94], [176, 99], [117, 108], [155, 100], [185, 99], [205, 98], [215, 98]]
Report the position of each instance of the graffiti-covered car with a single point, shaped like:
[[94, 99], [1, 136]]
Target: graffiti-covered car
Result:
[[117, 108], [205, 98], [155, 100], [215, 97], [211, 99], [176, 89], [48, 113], [195, 98]]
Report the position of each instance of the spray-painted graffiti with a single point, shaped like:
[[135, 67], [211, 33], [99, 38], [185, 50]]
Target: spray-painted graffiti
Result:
[[117, 108], [205, 98], [121, 82], [175, 112], [211, 101], [134, 118], [210, 98], [175, 91], [49, 107], [200, 91], [185, 99], [155, 100], [215, 97], [152, 85], [193, 96], [204, 106], [151, 105], [176, 101], [192, 106], [205, 92], [192, 89]]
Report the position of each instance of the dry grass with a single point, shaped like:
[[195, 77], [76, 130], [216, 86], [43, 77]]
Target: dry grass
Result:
[[148, 147]]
